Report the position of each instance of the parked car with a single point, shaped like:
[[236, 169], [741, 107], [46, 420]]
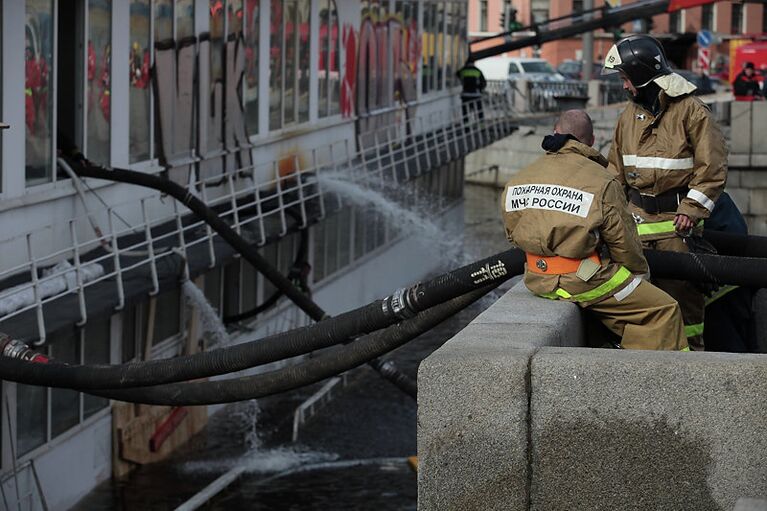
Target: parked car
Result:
[[573, 69], [514, 68], [494, 68], [533, 69]]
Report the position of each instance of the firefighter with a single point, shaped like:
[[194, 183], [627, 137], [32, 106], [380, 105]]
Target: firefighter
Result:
[[571, 218], [670, 155], [473, 84], [746, 84]]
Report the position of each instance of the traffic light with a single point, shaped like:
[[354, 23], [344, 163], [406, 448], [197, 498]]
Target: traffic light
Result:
[[503, 20], [514, 25]]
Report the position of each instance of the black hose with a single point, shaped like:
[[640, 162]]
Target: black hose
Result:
[[255, 311], [310, 371], [339, 329], [737, 244], [716, 269], [205, 213], [296, 273], [389, 371]]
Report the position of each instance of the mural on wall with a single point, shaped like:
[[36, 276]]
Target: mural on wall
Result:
[[208, 119], [349, 80], [388, 57]]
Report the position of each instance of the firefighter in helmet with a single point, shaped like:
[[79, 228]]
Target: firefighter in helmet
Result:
[[669, 154], [571, 218]]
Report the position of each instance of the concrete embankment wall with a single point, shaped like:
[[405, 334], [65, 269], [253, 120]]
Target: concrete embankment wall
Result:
[[516, 414]]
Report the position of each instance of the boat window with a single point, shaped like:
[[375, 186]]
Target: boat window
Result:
[[67, 85], [213, 289], [140, 99], [249, 286], [344, 238], [439, 29], [38, 90], [270, 253], [276, 51], [96, 344], [65, 403], [291, 31], [99, 79], [234, 16], [332, 238], [448, 37], [320, 246], [427, 68], [44, 413], [330, 50], [289, 68], [31, 418], [130, 332], [163, 20], [251, 32], [184, 15], [167, 321]]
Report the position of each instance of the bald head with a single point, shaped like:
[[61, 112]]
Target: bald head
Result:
[[576, 123]]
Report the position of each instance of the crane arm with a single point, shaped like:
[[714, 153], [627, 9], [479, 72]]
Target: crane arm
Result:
[[580, 22]]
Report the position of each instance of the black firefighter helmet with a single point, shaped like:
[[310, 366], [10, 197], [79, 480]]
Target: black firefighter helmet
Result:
[[640, 57]]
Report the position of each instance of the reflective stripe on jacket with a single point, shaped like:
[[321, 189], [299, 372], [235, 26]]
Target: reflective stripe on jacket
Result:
[[567, 204], [682, 147], [472, 79]]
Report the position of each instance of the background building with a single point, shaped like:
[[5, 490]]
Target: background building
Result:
[[733, 23]]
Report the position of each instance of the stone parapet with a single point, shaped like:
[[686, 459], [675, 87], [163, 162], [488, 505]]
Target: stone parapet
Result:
[[515, 414]]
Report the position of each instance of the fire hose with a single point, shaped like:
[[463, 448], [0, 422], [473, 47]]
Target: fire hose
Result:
[[363, 350], [379, 314], [699, 267]]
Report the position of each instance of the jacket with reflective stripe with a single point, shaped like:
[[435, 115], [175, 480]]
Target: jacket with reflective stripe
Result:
[[682, 147], [472, 79], [567, 204]]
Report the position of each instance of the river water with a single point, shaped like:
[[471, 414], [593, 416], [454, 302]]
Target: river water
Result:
[[351, 455]]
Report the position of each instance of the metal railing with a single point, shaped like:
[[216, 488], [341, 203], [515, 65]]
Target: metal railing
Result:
[[550, 96], [545, 96], [611, 92], [162, 231]]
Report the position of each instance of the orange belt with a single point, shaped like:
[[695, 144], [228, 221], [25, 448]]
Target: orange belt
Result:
[[556, 265]]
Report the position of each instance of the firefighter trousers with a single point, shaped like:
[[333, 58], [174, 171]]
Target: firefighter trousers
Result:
[[690, 298], [646, 319]]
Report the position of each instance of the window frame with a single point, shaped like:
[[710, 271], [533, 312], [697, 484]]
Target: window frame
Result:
[[152, 161], [740, 28], [51, 181], [83, 421], [711, 9]]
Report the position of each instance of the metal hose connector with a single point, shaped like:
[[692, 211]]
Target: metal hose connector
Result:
[[13, 348]]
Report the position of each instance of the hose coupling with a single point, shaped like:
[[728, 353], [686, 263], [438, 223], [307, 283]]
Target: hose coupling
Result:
[[13, 348], [398, 305]]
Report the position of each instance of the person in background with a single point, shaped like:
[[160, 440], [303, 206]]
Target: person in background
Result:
[[746, 85], [474, 83]]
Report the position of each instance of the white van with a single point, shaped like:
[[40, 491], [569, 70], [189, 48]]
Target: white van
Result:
[[515, 68], [494, 68]]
